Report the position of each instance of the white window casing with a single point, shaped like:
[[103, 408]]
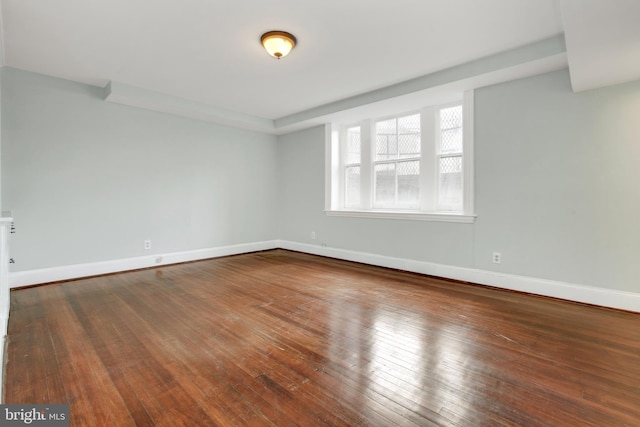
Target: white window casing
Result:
[[443, 164]]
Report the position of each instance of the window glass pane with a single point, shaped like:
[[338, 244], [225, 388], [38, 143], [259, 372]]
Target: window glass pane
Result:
[[354, 144], [352, 190], [450, 185], [386, 147], [387, 127], [409, 124], [451, 130], [409, 145], [451, 141], [408, 184], [386, 140], [385, 184], [451, 117], [398, 138]]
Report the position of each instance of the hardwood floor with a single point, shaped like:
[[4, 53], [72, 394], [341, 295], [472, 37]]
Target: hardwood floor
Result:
[[282, 338]]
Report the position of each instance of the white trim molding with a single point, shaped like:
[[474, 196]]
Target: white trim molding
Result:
[[533, 59], [567, 291], [422, 216], [68, 272]]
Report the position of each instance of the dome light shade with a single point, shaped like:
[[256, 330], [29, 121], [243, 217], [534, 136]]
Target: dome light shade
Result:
[[278, 43]]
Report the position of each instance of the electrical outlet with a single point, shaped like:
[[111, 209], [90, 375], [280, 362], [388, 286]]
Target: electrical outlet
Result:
[[497, 257], [147, 244], [313, 235]]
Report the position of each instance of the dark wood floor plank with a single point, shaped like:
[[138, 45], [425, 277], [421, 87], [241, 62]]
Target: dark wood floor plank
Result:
[[88, 375], [280, 338], [259, 364]]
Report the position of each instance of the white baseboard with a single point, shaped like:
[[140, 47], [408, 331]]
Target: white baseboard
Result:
[[67, 272], [568, 291]]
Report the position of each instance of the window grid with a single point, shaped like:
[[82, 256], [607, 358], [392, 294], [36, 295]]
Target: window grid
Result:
[[396, 169], [354, 145], [397, 184], [411, 163], [449, 159]]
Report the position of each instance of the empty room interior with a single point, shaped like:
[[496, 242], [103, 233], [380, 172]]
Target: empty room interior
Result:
[[342, 213]]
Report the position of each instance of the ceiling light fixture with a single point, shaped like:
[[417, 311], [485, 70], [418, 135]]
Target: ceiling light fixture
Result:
[[278, 43]]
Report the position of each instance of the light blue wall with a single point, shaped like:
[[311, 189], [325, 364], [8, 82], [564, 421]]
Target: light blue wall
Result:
[[89, 181], [556, 189], [557, 181]]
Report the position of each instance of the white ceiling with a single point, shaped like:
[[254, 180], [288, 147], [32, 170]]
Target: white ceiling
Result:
[[207, 52]]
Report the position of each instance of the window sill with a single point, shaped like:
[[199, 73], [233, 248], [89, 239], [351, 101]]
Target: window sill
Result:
[[405, 215]]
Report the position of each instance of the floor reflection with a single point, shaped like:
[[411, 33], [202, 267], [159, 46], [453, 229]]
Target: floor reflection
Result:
[[403, 356]]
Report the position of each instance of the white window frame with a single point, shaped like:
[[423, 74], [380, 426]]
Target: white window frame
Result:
[[344, 165], [440, 155], [429, 158], [374, 162]]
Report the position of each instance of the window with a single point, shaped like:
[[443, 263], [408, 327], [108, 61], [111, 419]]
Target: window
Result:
[[352, 168], [449, 155], [416, 165], [397, 163]]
